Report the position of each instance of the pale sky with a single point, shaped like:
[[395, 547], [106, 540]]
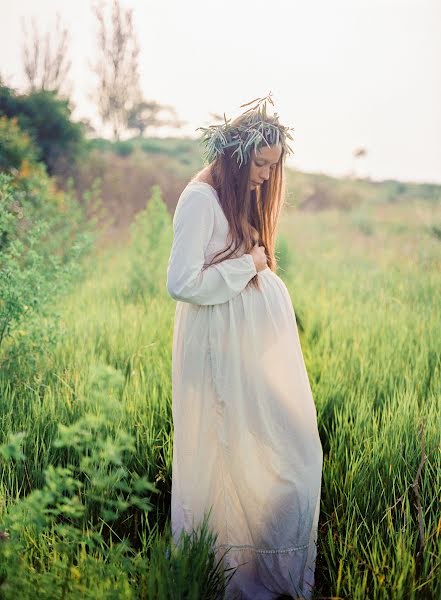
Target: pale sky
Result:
[[343, 73]]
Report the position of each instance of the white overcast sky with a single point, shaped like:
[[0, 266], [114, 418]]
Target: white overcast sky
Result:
[[343, 73]]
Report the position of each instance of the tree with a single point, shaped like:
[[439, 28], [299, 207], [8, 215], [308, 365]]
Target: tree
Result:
[[145, 114], [47, 119], [46, 70], [117, 67]]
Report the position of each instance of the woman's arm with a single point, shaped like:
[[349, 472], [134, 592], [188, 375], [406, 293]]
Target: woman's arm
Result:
[[193, 224]]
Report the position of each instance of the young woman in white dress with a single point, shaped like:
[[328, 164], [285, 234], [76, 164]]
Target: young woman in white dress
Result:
[[246, 449]]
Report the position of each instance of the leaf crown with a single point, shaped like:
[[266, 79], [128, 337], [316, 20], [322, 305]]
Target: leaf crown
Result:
[[253, 131]]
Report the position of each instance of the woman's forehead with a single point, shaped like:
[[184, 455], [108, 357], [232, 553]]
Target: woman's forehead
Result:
[[271, 153]]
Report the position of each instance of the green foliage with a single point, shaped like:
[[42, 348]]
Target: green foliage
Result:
[[12, 448], [362, 222], [370, 339], [75, 506], [47, 119], [153, 146], [43, 237], [283, 256], [15, 146], [435, 230], [189, 569], [183, 150], [151, 238], [123, 148], [75, 509]]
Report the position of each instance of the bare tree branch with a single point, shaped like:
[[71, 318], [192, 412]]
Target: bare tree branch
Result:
[[46, 69], [118, 88]]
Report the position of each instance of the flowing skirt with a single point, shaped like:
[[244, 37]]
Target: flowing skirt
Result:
[[246, 444]]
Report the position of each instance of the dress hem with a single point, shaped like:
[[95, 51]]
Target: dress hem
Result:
[[262, 550]]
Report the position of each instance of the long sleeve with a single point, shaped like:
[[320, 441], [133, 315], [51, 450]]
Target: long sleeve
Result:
[[193, 225]]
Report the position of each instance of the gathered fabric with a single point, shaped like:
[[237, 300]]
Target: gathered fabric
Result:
[[246, 447]]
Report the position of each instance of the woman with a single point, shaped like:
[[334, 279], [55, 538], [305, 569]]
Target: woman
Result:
[[246, 445]]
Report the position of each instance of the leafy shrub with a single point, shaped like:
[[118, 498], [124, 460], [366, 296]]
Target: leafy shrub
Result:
[[43, 237], [47, 120], [435, 230], [60, 540], [152, 146], [123, 148], [74, 510], [16, 146], [151, 238]]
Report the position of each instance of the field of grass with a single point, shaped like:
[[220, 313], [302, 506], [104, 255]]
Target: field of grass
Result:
[[365, 286]]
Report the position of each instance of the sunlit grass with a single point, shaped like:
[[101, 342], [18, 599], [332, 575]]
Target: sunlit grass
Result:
[[365, 286]]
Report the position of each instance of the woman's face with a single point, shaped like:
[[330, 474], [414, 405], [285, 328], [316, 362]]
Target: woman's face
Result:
[[263, 161]]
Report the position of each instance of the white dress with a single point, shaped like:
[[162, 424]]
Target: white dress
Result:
[[246, 442]]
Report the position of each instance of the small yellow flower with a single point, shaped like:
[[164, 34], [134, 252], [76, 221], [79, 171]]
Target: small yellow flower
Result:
[[75, 572]]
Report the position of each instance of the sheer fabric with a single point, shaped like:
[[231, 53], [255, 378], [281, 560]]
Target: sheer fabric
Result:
[[246, 444]]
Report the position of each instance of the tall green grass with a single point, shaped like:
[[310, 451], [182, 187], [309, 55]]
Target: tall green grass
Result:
[[367, 303]]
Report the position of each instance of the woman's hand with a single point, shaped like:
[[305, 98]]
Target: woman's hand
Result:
[[259, 257]]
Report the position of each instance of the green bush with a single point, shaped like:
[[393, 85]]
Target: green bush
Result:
[[74, 509], [151, 146], [123, 148], [151, 238], [435, 230], [59, 541], [15, 146], [47, 120], [44, 235]]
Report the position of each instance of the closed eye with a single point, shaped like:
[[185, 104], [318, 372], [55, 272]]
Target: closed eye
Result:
[[272, 166]]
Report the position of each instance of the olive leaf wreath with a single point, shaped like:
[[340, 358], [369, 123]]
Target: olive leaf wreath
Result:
[[255, 130]]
